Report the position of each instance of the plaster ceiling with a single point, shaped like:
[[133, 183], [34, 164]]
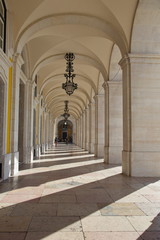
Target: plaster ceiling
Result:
[[47, 29]]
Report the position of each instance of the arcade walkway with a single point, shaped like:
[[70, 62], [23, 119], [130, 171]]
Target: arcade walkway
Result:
[[69, 195]]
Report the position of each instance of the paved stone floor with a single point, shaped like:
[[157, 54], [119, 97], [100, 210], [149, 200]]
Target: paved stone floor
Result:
[[69, 195]]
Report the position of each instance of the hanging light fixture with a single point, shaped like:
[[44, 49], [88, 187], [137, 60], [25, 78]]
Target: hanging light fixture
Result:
[[69, 86], [66, 115]]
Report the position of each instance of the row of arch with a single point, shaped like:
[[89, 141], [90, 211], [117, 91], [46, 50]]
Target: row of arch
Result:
[[139, 63]]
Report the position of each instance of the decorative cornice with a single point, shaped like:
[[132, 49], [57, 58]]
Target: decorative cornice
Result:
[[145, 58], [116, 82], [139, 58]]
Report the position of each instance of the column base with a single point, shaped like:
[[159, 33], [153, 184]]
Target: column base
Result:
[[100, 150], [37, 151], [43, 148], [28, 155], [83, 146], [115, 154], [87, 146], [141, 164], [46, 146], [96, 149], [6, 166], [92, 145], [126, 165], [50, 145], [14, 163], [145, 164], [106, 154]]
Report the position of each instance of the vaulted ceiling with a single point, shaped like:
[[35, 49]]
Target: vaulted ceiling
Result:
[[45, 30]]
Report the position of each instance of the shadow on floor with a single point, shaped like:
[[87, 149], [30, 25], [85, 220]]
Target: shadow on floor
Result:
[[68, 200]]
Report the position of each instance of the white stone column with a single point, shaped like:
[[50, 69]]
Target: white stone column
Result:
[[87, 128], [17, 63], [46, 131], [99, 128], [85, 120], [126, 154], [144, 115], [76, 133], [50, 132], [43, 132], [106, 122], [37, 149], [80, 131], [115, 122], [28, 125], [93, 118], [83, 130]]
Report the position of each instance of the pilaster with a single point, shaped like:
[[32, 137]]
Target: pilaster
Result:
[[126, 156], [17, 63]]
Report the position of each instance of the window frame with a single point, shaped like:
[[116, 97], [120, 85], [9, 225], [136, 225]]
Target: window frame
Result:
[[3, 20]]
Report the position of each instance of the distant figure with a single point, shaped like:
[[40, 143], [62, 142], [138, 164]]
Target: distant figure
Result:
[[56, 141], [66, 140]]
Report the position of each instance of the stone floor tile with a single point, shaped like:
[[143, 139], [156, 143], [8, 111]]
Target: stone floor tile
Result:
[[150, 235], [77, 209], [29, 190], [93, 196], [146, 190], [34, 209], [6, 209], [129, 198], [145, 223], [57, 198], [55, 224], [14, 224], [106, 224], [55, 236], [110, 205], [150, 209], [112, 236], [19, 198], [12, 235], [120, 209], [50, 191], [153, 197]]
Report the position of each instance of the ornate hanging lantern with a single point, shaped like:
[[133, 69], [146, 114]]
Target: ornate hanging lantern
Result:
[[66, 115], [69, 86]]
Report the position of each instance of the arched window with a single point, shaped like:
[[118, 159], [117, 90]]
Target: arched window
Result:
[[2, 24]]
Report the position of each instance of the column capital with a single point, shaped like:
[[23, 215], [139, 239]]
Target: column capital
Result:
[[124, 61], [17, 58], [98, 96], [113, 83], [89, 104], [105, 85]]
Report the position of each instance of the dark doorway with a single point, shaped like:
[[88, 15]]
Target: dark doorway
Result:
[[64, 135]]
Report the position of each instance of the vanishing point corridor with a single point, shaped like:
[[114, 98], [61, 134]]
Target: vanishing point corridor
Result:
[[68, 194]]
